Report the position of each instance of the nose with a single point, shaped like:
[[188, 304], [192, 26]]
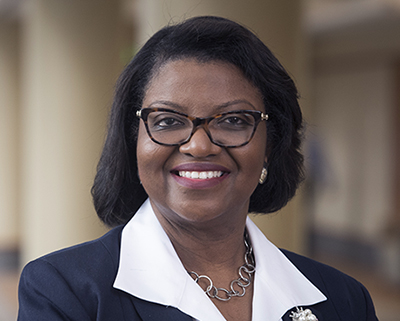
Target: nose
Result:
[[200, 145]]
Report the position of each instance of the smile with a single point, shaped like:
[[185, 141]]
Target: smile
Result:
[[200, 175]]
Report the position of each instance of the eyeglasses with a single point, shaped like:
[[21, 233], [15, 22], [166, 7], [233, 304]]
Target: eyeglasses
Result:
[[172, 128]]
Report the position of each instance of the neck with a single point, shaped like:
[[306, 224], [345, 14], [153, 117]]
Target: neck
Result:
[[208, 247], [210, 253]]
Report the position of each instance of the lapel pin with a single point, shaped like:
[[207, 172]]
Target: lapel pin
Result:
[[303, 315]]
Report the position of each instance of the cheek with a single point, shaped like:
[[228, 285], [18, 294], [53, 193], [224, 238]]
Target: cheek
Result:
[[259, 145], [146, 153], [151, 158], [253, 156]]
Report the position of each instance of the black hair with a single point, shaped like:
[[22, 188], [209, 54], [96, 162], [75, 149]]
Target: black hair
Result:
[[117, 192]]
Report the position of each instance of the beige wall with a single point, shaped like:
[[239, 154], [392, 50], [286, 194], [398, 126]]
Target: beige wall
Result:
[[354, 136], [355, 95], [354, 126]]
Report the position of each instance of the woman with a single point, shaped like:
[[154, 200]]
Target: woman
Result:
[[205, 127]]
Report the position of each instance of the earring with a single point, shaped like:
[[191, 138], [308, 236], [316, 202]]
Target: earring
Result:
[[263, 176]]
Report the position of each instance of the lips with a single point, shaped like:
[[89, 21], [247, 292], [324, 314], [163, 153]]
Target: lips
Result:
[[199, 175]]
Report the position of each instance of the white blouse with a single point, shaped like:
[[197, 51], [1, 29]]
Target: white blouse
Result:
[[150, 269]]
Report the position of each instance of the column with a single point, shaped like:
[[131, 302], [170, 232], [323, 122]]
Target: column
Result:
[[70, 64], [9, 136]]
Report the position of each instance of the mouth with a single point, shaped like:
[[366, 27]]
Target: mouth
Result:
[[200, 174]]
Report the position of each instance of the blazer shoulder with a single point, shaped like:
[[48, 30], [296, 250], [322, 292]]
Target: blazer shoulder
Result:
[[319, 272], [75, 283], [345, 293]]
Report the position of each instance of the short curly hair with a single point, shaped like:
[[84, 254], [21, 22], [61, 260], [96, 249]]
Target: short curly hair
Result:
[[117, 192]]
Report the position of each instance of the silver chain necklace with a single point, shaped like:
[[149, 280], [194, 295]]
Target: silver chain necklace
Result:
[[238, 286]]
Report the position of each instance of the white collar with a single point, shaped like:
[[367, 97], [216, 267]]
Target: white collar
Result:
[[150, 269]]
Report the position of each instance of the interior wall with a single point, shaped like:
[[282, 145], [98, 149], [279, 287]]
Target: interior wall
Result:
[[355, 141], [352, 140]]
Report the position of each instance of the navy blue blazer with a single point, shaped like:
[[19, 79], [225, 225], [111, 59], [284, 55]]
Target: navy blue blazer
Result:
[[76, 284]]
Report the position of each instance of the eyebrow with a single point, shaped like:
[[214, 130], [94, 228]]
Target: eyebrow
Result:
[[219, 107]]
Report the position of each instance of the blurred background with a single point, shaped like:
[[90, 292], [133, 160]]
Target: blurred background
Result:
[[59, 61]]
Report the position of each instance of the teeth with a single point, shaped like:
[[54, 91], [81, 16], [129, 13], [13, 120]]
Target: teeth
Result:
[[200, 175]]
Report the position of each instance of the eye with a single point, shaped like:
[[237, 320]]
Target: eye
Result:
[[166, 121], [236, 121]]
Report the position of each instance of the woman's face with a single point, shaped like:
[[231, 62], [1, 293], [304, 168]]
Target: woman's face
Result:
[[201, 90]]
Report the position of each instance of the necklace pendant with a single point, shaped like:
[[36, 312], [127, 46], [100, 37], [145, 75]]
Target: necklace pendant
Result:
[[303, 315]]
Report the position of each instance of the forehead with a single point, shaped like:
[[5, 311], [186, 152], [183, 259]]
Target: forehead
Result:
[[201, 86]]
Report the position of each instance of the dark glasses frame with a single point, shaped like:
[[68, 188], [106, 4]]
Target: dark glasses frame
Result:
[[198, 121]]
